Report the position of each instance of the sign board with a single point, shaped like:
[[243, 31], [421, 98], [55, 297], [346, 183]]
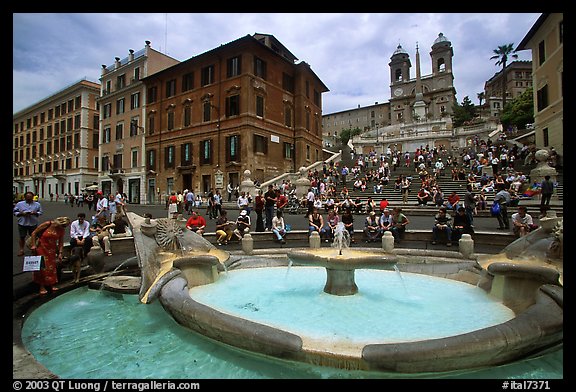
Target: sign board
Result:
[[219, 180], [32, 263]]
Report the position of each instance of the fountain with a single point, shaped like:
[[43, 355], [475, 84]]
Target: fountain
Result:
[[341, 267], [180, 269]]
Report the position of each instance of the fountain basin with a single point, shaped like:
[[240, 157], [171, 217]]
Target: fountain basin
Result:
[[532, 330]]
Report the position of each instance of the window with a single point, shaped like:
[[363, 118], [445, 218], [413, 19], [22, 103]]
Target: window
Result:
[[288, 116], [206, 111], [541, 53], [152, 94], [137, 73], [260, 144], [151, 122], [288, 83], [398, 75], [77, 121], [119, 131], [134, 127], [232, 105], [135, 101], [441, 65], [107, 90], [186, 151], [207, 75], [288, 151], [233, 67], [260, 106], [233, 148], [107, 110], [259, 68], [170, 120], [120, 106], [187, 116], [151, 160], [106, 135], [545, 137], [170, 88], [542, 98], [134, 158], [120, 82], [317, 98], [308, 152], [77, 102], [169, 157], [188, 81], [206, 152], [307, 89]]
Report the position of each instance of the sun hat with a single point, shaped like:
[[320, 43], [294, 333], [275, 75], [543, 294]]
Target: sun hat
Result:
[[243, 212]]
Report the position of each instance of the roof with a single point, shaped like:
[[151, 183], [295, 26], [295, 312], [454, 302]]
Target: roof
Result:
[[535, 27]]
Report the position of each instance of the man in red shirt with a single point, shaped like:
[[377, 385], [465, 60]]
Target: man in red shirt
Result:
[[281, 200], [383, 204], [196, 223]]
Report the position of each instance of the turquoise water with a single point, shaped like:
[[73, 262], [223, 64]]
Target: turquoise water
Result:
[[389, 306], [96, 334]]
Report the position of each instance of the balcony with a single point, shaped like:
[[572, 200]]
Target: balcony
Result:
[[116, 173]]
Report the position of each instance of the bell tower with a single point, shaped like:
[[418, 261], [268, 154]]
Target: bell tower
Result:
[[399, 67]]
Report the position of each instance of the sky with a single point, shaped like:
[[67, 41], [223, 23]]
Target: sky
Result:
[[349, 52]]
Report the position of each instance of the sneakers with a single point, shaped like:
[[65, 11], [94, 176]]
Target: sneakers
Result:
[[433, 242], [108, 253], [283, 241]]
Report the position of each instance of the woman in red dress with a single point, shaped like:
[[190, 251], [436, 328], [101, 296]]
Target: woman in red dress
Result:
[[51, 242]]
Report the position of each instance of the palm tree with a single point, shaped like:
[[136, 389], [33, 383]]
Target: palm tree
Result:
[[502, 54], [480, 97]]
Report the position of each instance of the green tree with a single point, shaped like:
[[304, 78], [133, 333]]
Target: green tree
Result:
[[463, 112], [502, 54], [347, 134], [520, 111]]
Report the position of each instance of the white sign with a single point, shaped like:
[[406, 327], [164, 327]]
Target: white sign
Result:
[[274, 139], [32, 263]]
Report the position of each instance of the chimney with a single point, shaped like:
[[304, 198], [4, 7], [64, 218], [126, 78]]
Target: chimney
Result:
[[103, 69], [117, 62], [131, 55]]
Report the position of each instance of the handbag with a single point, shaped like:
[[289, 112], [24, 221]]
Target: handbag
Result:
[[495, 209]]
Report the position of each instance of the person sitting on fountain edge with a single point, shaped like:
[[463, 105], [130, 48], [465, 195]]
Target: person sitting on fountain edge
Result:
[[442, 223], [315, 221], [196, 223], [372, 227], [327, 232], [242, 224], [348, 221], [462, 224], [279, 227]]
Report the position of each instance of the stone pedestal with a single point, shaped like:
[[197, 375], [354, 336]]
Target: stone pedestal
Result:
[[247, 185], [388, 241], [314, 240], [543, 169], [248, 244], [302, 183], [466, 245]]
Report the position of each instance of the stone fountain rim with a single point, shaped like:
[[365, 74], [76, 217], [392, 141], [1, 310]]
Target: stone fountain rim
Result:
[[485, 347]]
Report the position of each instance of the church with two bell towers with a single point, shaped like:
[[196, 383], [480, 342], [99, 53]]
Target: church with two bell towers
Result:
[[414, 99], [424, 97]]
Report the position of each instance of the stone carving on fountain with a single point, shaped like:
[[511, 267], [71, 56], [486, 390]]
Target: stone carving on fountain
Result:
[[165, 248]]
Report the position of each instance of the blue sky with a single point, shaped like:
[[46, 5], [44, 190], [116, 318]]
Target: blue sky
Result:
[[349, 52]]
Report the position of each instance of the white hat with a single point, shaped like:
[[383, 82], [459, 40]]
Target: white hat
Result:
[[243, 212]]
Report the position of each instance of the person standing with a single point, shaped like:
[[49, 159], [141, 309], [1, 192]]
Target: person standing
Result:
[[102, 210], [120, 203], [230, 190], [469, 203], [310, 198], [503, 199], [51, 243], [189, 201], [259, 208], [27, 211], [546, 192], [269, 203]]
